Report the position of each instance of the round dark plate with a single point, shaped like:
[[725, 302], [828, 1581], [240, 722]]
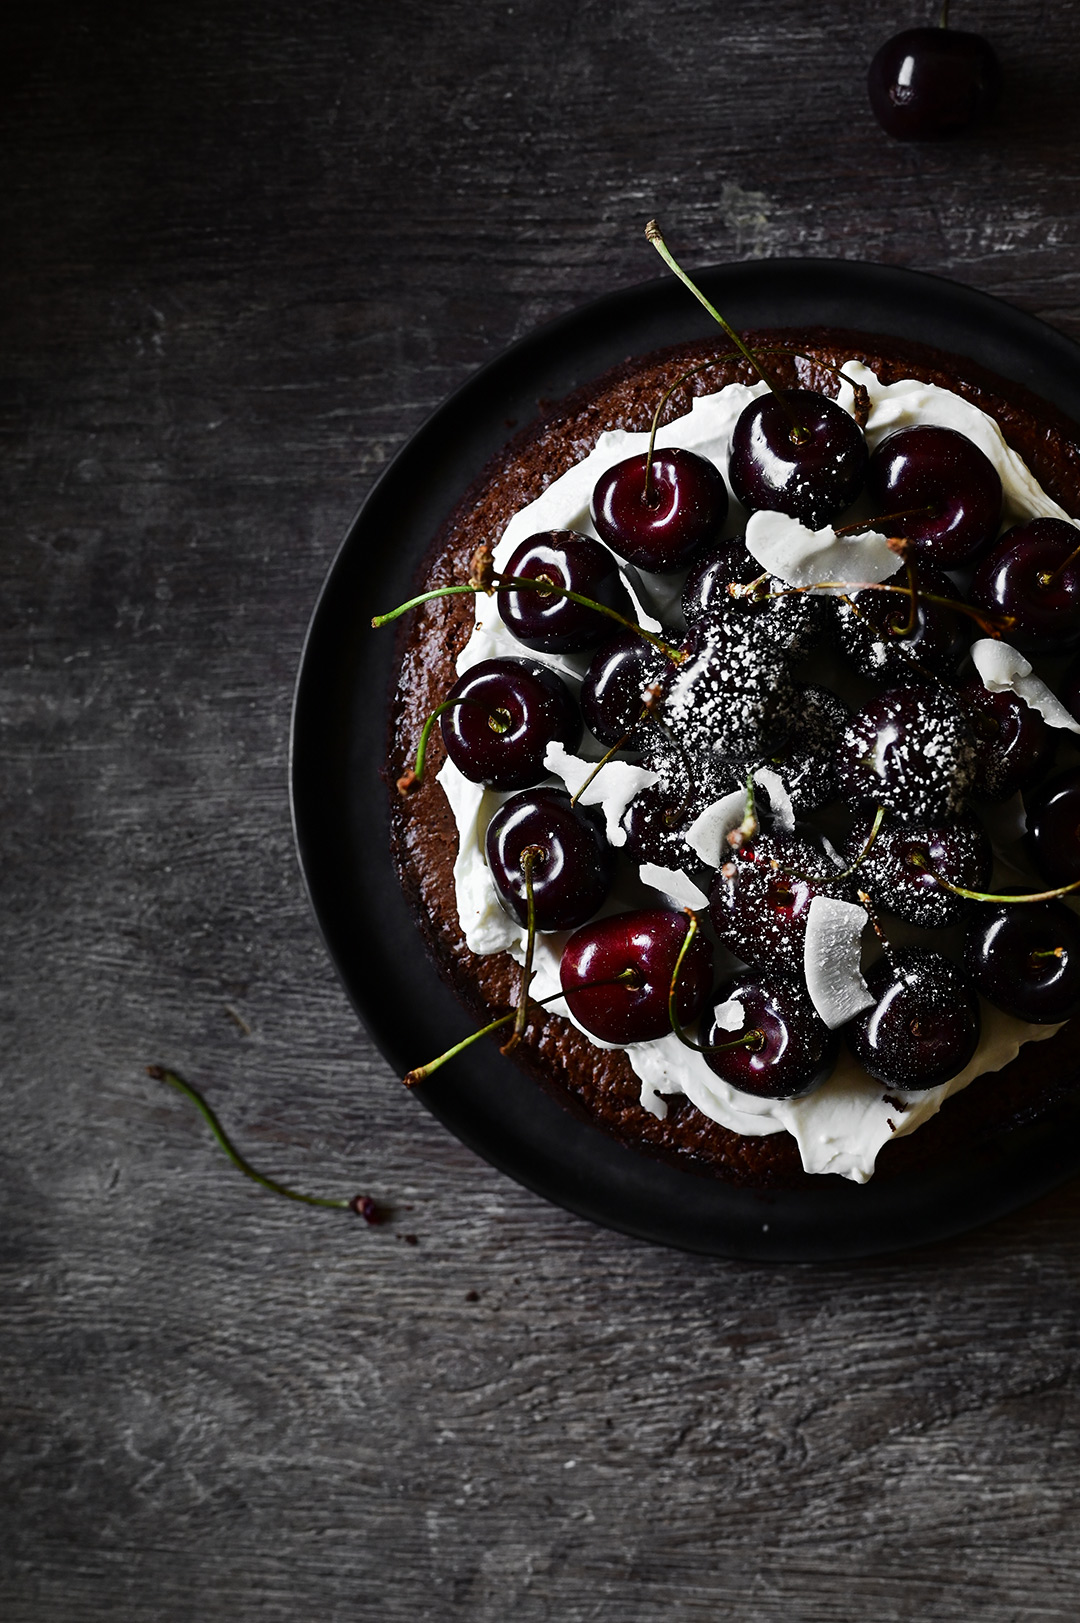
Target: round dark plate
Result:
[[339, 799]]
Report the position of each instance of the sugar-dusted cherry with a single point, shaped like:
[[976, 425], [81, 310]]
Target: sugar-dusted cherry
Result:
[[1014, 746], [1053, 828], [620, 674], [647, 943], [795, 1051], [928, 84], [658, 525], [503, 715], [1025, 958], [760, 899], [924, 1027], [571, 862], [733, 695], [910, 749], [948, 489], [889, 640], [797, 452], [904, 867], [797, 621], [1033, 576], [548, 622]]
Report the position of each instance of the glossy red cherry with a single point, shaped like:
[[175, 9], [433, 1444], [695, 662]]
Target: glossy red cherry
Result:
[[687, 504], [647, 942], [613, 690], [572, 863], [1032, 576], [940, 469], [1053, 829], [1014, 746], [927, 84], [512, 710], [553, 624], [798, 453], [795, 1052], [1025, 958], [924, 1027]]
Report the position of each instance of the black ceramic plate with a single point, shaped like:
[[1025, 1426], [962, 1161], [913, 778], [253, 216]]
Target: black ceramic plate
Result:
[[339, 801]]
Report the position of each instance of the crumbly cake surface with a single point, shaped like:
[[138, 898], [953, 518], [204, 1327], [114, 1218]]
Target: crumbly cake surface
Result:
[[600, 1085]]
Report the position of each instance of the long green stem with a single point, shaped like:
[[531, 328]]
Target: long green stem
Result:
[[161, 1074], [834, 878], [754, 1039], [918, 860]]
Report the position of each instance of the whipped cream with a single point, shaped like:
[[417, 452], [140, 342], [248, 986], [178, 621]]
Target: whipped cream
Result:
[[842, 1126]]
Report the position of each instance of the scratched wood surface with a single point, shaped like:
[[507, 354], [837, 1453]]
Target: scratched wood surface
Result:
[[246, 247]]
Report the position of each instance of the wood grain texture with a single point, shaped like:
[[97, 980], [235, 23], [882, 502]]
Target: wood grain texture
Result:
[[246, 249]]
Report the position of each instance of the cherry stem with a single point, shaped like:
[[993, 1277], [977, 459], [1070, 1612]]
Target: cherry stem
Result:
[[531, 854], [1047, 581], [161, 1074], [993, 625], [943, 20], [737, 837], [834, 878], [884, 518], [1048, 952], [603, 761], [906, 631], [626, 977], [547, 588], [871, 913], [653, 234], [425, 734], [754, 1039], [918, 860]]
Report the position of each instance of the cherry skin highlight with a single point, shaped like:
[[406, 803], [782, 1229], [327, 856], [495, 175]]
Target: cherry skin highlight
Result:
[[687, 504], [572, 864], [796, 1051], [515, 709], [1014, 746], [648, 941], [1053, 829], [557, 625], [1025, 958], [940, 469], [928, 84], [613, 690], [1032, 576], [924, 1028], [911, 750], [810, 468]]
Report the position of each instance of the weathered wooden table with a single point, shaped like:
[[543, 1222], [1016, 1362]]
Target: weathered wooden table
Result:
[[246, 248]]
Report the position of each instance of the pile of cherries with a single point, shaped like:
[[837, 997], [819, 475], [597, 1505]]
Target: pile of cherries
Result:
[[708, 702]]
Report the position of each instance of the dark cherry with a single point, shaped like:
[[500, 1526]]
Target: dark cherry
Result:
[[1025, 958], [572, 864], [797, 621], [1053, 829], [612, 693], [655, 821], [516, 708], [1014, 747], [931, 83], [796, 1052], [760, 899], [924, 1027], [577, 563], [811, 468], [896, 872], [911, 750], [688, 503], [939, 468], [732, 696], [1028, 576], [648, 942], [872, 630], [808, 764]]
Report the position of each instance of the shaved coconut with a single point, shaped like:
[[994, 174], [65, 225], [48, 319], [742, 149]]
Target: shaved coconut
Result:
[[674, 883], [613, 787], [729, 1016], [805, 557], [779, 799], [831, 958], [1004, 669], [707, 834]]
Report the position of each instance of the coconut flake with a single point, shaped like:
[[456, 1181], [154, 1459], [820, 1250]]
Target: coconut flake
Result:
[[1004, 669], [831, 956], [674, 883], [729, 1016], [805, 557], [707, 834], [779, 799], [612, 789]]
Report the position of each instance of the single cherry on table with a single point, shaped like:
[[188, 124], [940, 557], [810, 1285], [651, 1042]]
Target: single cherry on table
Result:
[[646, 942], [654, 513], [928, 84], [944, 492], [572, 865], [548, 622], [500, 718]]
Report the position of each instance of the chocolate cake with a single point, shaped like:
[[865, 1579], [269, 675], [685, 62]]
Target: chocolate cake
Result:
[[599, 1084]]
